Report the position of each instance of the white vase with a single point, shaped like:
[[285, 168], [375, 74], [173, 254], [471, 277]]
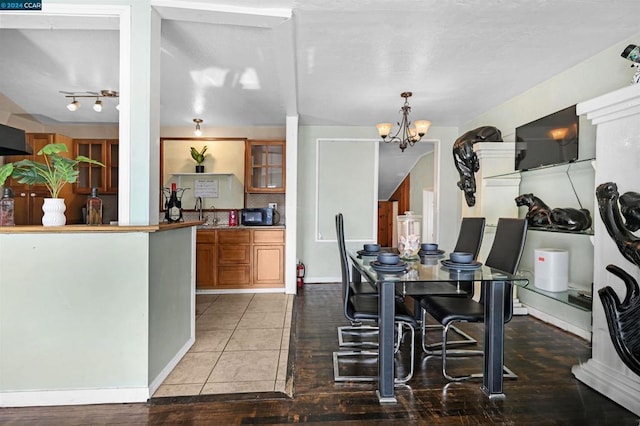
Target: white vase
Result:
[[53, 209]]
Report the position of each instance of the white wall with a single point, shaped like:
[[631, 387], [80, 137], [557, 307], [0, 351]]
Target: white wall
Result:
[[73, 317], [171, 299], [421, 178]]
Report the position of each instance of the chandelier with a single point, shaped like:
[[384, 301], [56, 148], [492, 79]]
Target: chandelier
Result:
[[406, 135]]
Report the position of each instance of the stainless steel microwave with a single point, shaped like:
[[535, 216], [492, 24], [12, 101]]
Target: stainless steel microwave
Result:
[[257, 216]]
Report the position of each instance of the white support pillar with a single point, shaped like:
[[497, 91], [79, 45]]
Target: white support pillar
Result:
[[617, 117]]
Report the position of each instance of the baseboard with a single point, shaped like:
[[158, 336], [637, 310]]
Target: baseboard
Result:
[[323, 280], [157, 381], [73, 397], [610, 383], [543, 316], [243, 290]]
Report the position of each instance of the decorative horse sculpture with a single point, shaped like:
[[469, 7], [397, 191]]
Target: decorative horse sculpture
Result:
[[628, 244], [623, 319], [466, 160], [542, 216]]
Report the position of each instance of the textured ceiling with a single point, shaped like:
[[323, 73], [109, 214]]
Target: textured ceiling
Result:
[[332, 62]]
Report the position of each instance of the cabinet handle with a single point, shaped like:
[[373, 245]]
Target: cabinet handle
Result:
[[22, 194], [33, 194]]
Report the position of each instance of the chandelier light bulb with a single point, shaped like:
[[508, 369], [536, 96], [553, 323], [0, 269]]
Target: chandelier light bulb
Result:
[[73, 106], [97, 107]]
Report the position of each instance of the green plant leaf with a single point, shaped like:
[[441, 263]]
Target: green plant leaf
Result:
[[198, 156], [5, 172], [53, 148]]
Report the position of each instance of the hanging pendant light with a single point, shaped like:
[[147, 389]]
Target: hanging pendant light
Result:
[[197, 131], [405, 135]]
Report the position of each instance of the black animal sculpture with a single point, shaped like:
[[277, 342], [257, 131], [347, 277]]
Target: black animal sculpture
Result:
[[623, 319], [466, 160], [542, 216], [630, 209], [628, 244]]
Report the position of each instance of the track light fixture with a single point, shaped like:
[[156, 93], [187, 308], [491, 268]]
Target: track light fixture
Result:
[[197, 131], [97, 106]]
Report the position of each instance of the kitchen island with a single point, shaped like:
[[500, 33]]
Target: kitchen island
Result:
[[93, 314]]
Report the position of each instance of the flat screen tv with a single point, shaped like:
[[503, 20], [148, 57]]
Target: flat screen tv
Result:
[[548, 141]]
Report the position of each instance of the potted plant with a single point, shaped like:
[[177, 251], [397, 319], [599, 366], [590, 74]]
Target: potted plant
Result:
[[198, 156], [55, 172]]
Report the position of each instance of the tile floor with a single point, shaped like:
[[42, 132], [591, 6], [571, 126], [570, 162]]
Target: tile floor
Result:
[[242, 345]]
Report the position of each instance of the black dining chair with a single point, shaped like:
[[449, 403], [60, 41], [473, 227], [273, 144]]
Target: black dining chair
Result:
[[469, 241], [360, 309], [504, 255], [358, 330]]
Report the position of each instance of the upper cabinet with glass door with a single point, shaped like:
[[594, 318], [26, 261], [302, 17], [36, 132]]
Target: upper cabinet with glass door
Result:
[[265, 166], [93, 176]]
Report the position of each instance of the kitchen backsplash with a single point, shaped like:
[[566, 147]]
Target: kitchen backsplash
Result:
[[252, 200]]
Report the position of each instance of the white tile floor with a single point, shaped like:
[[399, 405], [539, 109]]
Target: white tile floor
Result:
[[242, 345]]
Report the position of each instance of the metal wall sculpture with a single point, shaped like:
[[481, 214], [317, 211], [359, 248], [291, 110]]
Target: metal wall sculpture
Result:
[[542, 216], [628, 244], [623, 318], [630, 209], [466, 160]]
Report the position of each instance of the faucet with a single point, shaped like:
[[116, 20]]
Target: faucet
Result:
[[198, 207]]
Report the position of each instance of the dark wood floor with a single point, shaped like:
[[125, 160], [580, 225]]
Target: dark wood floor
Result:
[[545, 393]]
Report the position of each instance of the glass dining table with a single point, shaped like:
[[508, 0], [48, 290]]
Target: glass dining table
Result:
[[425, 276]]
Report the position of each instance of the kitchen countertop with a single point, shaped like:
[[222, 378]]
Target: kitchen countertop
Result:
[[232, 228], [69, 229]]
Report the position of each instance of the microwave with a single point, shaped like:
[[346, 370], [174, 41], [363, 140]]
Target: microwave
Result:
[[257, 216]]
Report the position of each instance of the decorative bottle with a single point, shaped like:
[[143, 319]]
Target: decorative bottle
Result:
[[6, 208], [233, 217], [173, 211], [94, 208]]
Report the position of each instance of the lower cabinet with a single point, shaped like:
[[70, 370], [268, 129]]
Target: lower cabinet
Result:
[[268, 258], [205, 259], [239, 258], [234, 258]]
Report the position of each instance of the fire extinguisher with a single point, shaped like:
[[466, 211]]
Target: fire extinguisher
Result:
[[300, 271]]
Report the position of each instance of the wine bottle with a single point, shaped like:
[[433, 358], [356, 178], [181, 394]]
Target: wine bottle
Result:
[[6, 208], [94, 208], [173, 211]]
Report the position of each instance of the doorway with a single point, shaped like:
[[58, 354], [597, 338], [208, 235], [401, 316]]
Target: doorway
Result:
[[405, 178]]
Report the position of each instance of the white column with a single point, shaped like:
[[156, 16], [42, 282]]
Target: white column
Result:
[[139, 115], [496, 184], [617, 116]]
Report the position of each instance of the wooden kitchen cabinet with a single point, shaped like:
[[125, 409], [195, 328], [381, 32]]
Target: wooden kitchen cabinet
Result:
[[206, 259], [265, 166], [234, 258], [92, 175], [239, 258], [268, 258]]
